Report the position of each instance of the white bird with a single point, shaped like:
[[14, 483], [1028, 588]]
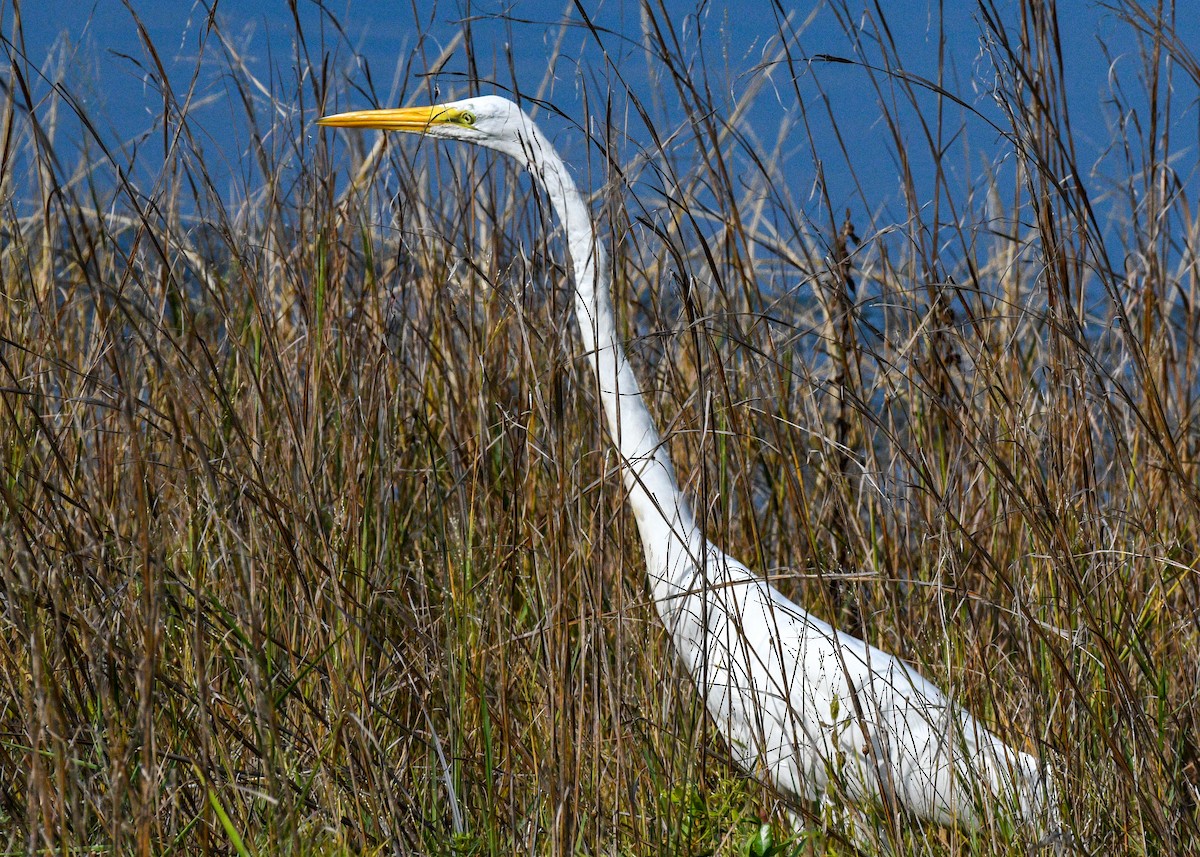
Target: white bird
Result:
[[824, 715]]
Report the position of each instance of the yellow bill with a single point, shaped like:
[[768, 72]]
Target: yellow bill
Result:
[[417, 119]]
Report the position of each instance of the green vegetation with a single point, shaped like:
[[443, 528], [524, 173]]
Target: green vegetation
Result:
[[312, 542]]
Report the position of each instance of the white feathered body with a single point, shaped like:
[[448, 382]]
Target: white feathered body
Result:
[[824, 715]]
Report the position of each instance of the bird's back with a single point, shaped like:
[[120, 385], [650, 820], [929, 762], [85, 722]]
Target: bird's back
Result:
[[810, 705]]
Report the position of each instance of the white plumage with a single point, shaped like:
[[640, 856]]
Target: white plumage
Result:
[[794, 697]]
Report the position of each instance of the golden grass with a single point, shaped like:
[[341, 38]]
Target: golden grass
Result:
[[313, 543]]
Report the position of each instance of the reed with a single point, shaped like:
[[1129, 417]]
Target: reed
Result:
[[312, 541]]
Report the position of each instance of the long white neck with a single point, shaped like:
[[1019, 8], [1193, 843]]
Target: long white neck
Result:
[[662, 513]]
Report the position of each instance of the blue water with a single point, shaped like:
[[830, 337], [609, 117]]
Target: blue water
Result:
[[94, 49]]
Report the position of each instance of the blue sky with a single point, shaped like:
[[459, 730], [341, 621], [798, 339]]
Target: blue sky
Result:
[[391, 43]]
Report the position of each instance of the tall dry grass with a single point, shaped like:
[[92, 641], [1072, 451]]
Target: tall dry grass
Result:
[[312, 542]]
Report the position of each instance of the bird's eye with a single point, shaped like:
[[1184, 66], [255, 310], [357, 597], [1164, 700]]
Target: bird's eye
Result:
[[466, 118]]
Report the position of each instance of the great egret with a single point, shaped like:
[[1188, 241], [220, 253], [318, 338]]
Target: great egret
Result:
[[821, 712]]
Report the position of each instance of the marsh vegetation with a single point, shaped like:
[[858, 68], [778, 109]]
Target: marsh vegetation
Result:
[[311, 541]]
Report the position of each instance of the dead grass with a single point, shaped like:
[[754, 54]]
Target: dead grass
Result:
[[312, 539]]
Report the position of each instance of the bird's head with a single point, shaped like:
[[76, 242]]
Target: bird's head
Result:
[[488, 120]]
